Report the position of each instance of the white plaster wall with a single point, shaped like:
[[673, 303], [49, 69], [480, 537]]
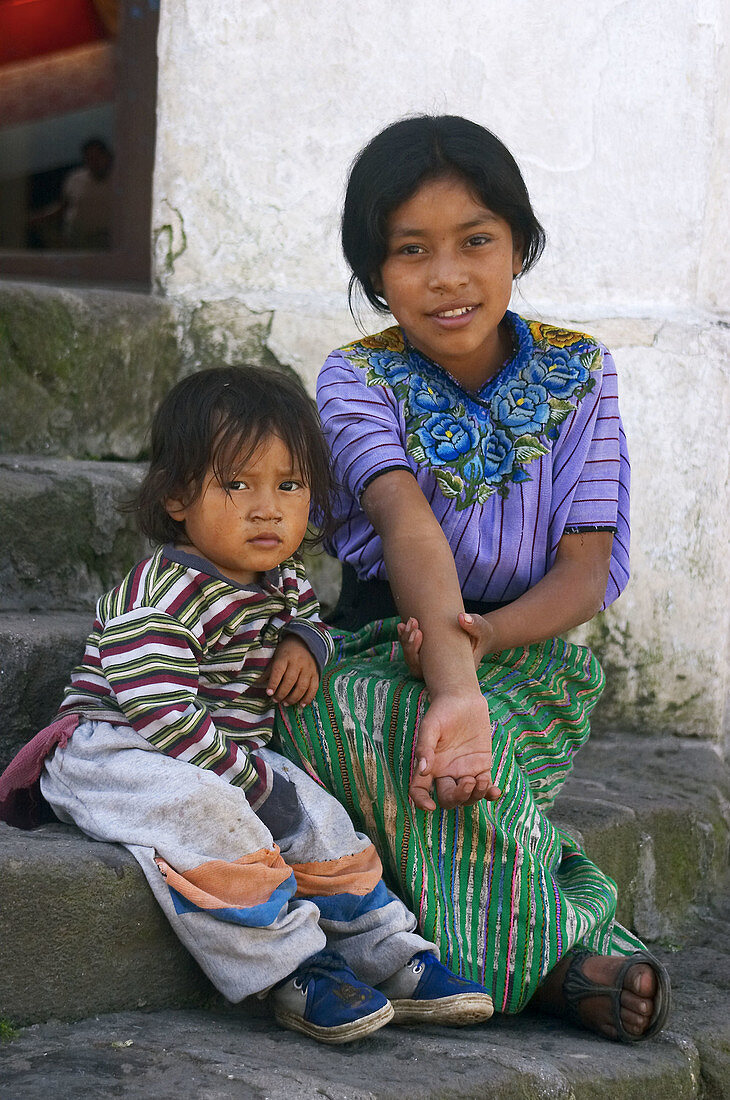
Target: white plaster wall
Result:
[[618, 113]]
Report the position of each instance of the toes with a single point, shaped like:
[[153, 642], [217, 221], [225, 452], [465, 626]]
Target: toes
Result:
[[641, 980], [635, 1025], [636, 1006]]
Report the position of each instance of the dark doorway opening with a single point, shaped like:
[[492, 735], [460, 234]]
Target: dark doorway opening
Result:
[[78, 88]]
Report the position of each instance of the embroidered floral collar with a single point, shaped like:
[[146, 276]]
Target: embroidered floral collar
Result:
[[479, 444]]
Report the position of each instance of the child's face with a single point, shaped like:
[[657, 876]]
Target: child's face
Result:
[[253, 522], [447, 278]]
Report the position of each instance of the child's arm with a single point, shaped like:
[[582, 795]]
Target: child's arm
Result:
[[150, 661], [304, 649]]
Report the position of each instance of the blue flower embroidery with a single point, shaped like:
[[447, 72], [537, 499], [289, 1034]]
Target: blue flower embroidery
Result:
[[521, 407], [427, 396], [499, 456], [560, 373], [446, 438], [390, 365], [473, 469], [477, 446]]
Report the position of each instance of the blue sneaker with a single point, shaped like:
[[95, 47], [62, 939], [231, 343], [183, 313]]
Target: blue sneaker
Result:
[[425, 991], [324, 999]]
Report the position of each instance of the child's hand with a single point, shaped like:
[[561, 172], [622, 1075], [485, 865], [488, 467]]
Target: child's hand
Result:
[[480, 634], [293, 672], [410, 636]]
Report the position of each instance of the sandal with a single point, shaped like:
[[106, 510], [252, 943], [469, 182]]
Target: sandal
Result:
[[576, 987]]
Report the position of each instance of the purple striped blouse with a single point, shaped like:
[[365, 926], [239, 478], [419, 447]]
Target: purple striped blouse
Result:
[[539, 451]]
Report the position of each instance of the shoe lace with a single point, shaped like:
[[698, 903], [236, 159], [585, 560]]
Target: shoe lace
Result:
[[324, 962], [416, 964]]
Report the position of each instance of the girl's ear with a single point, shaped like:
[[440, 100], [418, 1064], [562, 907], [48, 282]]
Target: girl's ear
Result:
[[377, 284], [518, 254]]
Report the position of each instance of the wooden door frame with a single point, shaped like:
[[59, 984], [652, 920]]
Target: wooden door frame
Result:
[[129, 260]]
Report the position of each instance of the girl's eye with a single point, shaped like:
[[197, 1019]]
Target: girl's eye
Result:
[[477, 239], [233, 486], [291, 486], [410, 250]]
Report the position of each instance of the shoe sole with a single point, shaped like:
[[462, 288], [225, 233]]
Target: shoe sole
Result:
[[455, 1011], [341, 1033]]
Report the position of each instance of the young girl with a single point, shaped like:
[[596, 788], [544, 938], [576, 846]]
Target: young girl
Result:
[[161, 741], [485, 503]]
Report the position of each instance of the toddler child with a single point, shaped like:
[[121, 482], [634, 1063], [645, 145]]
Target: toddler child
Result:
[[258, 869]]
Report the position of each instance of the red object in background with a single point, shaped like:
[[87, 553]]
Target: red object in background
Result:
[[31, 28]]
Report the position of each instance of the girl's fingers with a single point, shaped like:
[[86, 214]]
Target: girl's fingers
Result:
[[470, 624], [420, 790], [484, 788]]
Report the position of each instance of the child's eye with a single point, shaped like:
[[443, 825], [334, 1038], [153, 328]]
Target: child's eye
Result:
[[233, 486], [410, 250], [478, 238], [291, 486]]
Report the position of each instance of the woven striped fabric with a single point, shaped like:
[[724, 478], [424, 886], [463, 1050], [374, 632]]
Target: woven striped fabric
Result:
[[500, 889], [178, 651]]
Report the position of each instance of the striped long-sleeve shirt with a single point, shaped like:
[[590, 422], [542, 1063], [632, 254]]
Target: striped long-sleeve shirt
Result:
[[539, 451], [178, 651]]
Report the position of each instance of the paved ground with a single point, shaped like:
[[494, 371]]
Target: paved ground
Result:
[[239, 1053]]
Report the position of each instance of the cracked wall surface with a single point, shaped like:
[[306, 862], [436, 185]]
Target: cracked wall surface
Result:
[[619, 115]]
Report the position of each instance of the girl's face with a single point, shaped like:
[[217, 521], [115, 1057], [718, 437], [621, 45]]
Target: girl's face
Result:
[[447, 278], [252, 522]]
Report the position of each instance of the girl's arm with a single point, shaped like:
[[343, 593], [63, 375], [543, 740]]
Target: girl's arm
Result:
[[570, 593], [454, 744]]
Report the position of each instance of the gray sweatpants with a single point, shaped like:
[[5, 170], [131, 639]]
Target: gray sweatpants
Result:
[[249, 909]]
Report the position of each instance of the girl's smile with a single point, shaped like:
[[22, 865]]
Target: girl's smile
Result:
[[447, 278]]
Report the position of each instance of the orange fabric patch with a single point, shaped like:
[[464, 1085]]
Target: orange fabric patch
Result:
[[357, 874], [220, 884]]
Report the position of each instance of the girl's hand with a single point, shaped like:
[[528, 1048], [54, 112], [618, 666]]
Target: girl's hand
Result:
[[410, 636], [454, 752], [480, 632], [293, 675]]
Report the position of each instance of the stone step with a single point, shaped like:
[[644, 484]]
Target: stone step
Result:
[[241, 1053], [64, 540], [37, 652], [654, 813], [81, 370], [227, 1052], [83, 913]]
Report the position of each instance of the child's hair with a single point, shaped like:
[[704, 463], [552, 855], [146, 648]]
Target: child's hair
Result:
[[217, 418], [410, 152]]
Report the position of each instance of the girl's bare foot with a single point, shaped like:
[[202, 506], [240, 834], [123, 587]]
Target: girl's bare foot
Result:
[[640, 994]]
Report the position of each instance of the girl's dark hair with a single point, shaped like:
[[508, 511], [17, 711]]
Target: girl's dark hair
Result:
[[392, 167], [217, 418]]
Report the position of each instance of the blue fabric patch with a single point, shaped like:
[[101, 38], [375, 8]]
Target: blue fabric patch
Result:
[[347, 907], [257, 916]]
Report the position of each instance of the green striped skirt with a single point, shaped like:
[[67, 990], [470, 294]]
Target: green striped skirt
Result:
[[500, 889]]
